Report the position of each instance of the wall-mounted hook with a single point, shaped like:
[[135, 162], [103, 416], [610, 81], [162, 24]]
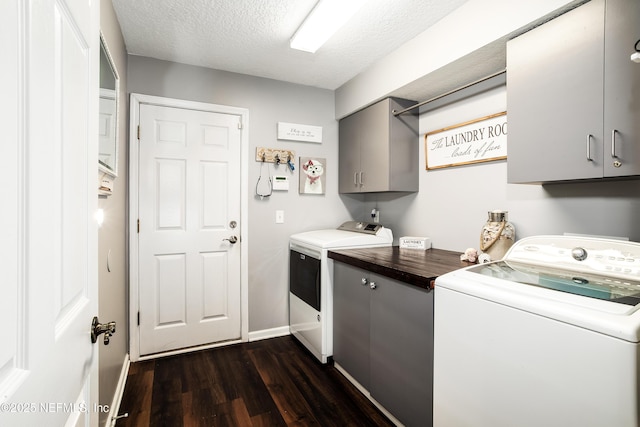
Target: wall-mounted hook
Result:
[[273, 155]]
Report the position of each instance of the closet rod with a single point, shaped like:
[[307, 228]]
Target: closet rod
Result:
[[420, 104]]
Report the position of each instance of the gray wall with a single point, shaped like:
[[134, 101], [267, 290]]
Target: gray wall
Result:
[[113, 292], [452, 203], [462, 47], [268, 102], [451, 206]]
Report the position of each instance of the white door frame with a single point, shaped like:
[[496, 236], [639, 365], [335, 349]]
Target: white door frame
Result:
[[136, 100]]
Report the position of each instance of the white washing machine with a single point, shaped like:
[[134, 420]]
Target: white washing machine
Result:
[[549, 336], [311, 279]]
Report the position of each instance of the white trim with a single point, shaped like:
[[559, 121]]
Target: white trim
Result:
[[119, 392], [252, 336], [15, 165], [189, 350], [243, 113], [107, 93], [269, 333]]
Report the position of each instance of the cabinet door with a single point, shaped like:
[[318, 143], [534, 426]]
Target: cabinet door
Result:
[[374, 147], [349, 154], [402, 350], [351, 321], [622, 88], [555, 98]]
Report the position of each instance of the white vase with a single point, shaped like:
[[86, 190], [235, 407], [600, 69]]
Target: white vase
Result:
[[497, 235]]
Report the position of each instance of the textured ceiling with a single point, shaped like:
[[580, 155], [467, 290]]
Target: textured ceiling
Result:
[[252, 36]]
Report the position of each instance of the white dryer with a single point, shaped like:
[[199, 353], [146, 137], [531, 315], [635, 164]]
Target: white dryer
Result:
[[311, 279]]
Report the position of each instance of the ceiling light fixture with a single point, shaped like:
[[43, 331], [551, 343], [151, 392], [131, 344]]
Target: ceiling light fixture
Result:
[[324, 20]]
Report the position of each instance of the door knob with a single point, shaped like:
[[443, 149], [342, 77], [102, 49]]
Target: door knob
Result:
[[98, 328], [232, 239]]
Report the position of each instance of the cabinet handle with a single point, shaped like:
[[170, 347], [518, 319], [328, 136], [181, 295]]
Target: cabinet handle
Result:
[[589, 147], [364, 281], [361, 178], [373, 285], [355, 179], [613, 143]]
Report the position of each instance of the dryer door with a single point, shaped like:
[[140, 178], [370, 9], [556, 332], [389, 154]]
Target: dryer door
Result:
[[304, 278]]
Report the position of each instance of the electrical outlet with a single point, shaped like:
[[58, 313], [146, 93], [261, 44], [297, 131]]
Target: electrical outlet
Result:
[[375, 215], [279, 217]]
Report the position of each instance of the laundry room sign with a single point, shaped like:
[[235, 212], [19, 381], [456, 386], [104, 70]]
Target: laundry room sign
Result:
[[475, 141]]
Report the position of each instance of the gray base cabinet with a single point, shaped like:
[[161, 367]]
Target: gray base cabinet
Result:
[[378, 151], [383, 337], [572, 96]]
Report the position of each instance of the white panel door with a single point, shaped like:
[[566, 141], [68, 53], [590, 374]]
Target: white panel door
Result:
[[49, 111], [189, 199]]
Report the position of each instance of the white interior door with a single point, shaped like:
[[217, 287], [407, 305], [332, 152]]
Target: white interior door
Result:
[[189, 215], [48, 296]]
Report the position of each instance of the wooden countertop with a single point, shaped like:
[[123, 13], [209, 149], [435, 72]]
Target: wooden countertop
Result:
[[416, 267]]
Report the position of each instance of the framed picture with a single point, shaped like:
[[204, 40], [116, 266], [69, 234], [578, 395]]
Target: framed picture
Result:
[[475, 141], [312, 175]]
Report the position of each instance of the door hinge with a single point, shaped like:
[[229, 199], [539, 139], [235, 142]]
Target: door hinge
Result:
[[138, 132], [138, 318], [138, 225]]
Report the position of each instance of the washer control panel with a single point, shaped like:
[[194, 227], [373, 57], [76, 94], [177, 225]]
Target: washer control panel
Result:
[[587, 254]]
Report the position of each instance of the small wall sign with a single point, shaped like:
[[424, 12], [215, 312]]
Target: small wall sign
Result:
[[296, 132], [475, 141]]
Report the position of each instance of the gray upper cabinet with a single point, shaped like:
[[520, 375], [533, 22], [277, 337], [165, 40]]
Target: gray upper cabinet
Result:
[[572, 96], [622, 88], [379, 151]]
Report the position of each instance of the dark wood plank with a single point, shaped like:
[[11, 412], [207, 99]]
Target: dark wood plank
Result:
[[166, 403], [293, 407], [136, 401], [274, 382], [242, 380], [329, 397]]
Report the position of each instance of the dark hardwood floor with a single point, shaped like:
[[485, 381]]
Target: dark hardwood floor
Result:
[[273, 382]]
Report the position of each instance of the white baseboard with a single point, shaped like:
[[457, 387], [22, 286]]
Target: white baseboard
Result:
[[117, 395], [269, 333]]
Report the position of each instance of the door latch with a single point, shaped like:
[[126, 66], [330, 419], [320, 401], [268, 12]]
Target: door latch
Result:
[[98, 328]]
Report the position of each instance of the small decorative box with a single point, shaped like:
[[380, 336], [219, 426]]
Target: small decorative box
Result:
[[409, 242]]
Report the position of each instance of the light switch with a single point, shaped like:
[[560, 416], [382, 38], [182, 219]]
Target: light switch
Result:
[[279, 217]]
